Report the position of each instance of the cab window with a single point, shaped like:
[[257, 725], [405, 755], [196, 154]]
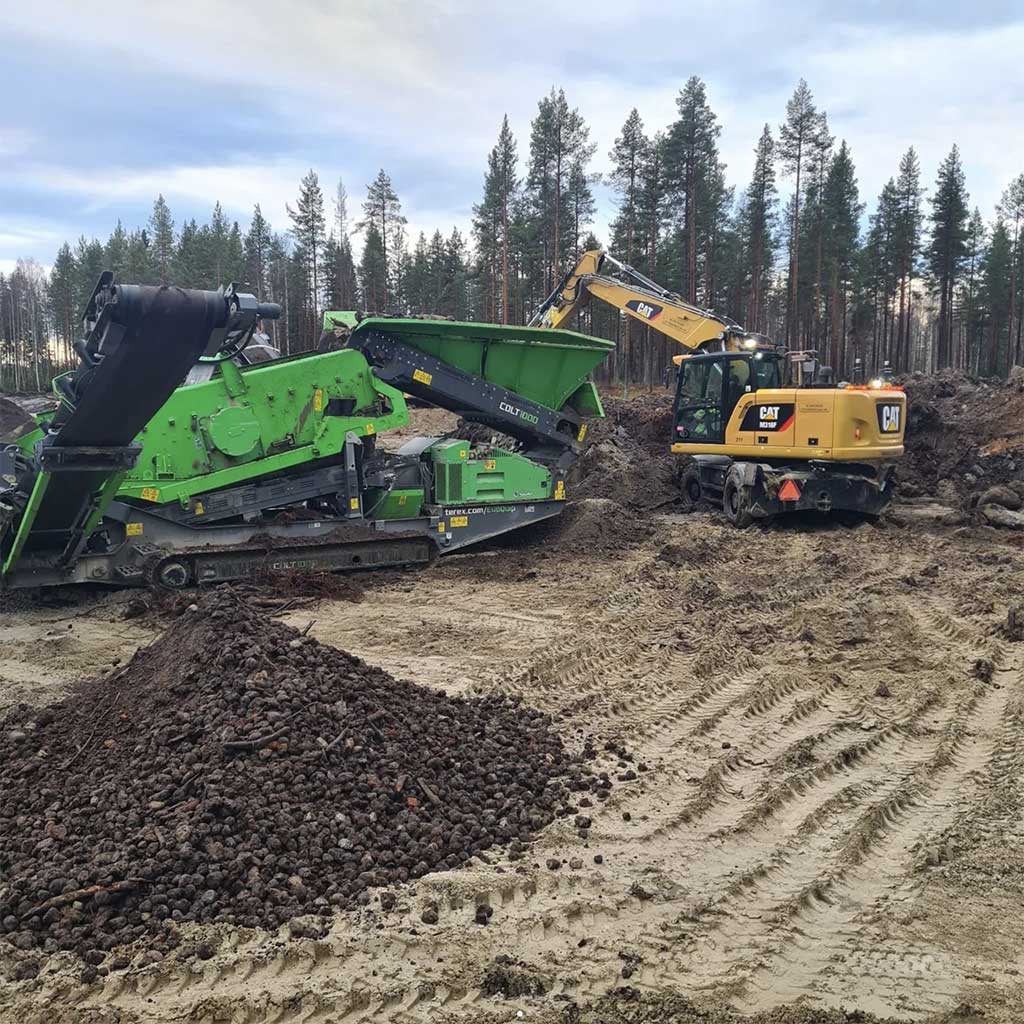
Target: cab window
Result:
[[699, 402]]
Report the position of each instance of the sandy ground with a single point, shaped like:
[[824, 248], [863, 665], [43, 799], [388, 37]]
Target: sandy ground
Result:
[[833, 723]]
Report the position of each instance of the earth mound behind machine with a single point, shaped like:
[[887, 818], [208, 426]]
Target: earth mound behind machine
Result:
[[275, 465], [767, 432]]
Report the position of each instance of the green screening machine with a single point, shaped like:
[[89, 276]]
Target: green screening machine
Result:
[[175, 457]]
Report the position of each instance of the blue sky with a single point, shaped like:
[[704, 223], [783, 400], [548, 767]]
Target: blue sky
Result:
[[105, 106]]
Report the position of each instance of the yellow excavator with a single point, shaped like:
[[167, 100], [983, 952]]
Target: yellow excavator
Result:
[[767, 430]]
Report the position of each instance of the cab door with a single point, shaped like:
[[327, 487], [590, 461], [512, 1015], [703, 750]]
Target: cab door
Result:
[[699, 413]]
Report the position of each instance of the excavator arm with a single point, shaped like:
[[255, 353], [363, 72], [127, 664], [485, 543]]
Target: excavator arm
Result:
[[640, 298]]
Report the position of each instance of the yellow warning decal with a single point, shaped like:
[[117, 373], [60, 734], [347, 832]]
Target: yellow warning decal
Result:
[[459, 521], [353, 503], [318, 400], [560, 491], [583, 432], [133, 529], [200, 509], [422, 376], [491, 464], [150, 494], [463, 453], [401, 499], [370, 428], [440, 527]]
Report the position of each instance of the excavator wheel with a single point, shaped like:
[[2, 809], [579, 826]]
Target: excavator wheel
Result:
[[691, 485], [736, 499]]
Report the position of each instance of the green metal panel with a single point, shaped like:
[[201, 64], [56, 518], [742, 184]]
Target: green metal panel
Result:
[[543, 365], [464, 475], [398, 504], [264, 419]]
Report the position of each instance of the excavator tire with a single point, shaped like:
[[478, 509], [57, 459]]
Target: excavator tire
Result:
[[691, 485], [736, 499]]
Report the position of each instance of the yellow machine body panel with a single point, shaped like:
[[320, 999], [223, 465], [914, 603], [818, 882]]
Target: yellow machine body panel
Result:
[[826, 424]]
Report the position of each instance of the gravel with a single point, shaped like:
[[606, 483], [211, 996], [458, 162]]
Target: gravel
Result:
[[239, 772]]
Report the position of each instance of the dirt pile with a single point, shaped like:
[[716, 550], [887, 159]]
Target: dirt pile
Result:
[[237, 771], [966, 431], [628, 459]]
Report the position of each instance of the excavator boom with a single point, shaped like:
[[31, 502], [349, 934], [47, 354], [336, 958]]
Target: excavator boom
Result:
[[640, 298]]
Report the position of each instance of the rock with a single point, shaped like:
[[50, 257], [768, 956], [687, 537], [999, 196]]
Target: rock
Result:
[[982, 669], [1002, 496], [483, 913], [387, 901], [626, 816], [1014, 627], [553, 863], [26, 970], [575, 864], [582, 821], [598, 858], [882, 690], [429, 916], [999, 516]]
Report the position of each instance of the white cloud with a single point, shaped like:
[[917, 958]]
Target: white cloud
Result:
[[425, 85]]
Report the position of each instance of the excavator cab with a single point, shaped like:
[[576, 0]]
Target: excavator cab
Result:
[[709, 387]]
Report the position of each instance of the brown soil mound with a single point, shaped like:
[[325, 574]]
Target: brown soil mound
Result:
[[598, 526], [628, 459], [965, 431], [237, 771]]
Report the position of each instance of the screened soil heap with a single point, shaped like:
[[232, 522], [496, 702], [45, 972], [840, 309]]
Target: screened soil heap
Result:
[[237, 771]]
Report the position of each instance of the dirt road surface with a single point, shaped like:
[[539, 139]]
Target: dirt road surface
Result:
[[818, 738], [832, 720]]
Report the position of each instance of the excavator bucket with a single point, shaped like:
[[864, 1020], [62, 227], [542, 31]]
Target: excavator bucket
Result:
[[540, 365]]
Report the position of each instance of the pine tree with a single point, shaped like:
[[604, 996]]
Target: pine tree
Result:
[[907, 248], [758, 225], [190, 259], [997, 299], [692, 169], [89, 265], [841, 212], [308, 230], [947, 248], [161, 240], [383, 210], [818, 163], [138, 260], [975, 250], [341, 210], [257, 253], [798, 134], [116, 249], [559, 147], [492, 222], [1011, 209], [373, 270], [64, 299], [629, 155]]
